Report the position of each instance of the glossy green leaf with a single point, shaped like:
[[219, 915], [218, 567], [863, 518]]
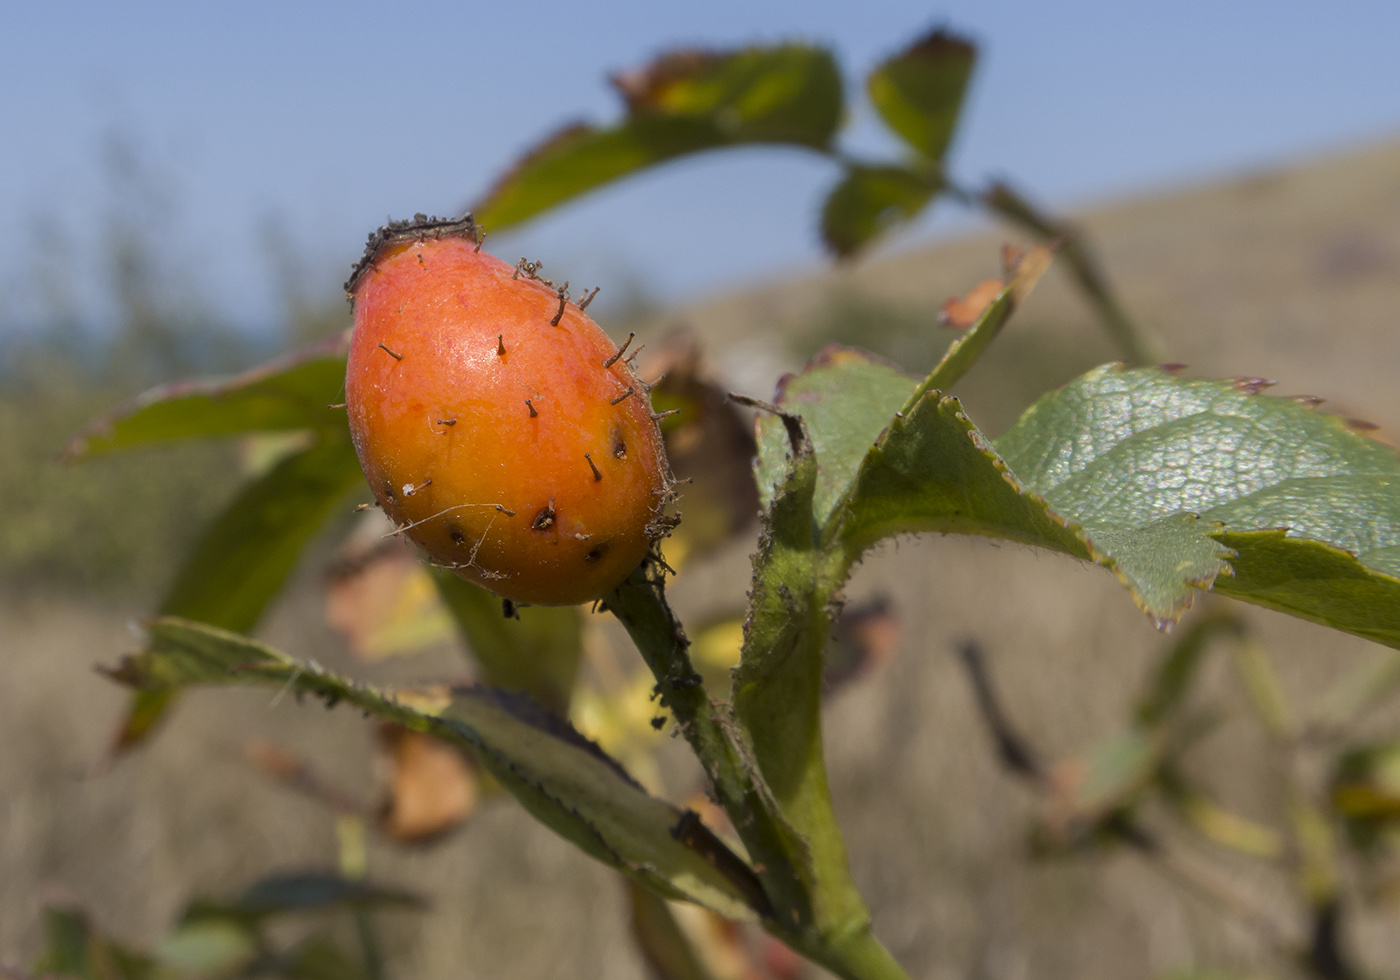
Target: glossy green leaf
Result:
[[564, 780], [1177, 482], [932, 470], [778, 683], [536, 651], [290, 393], [919, 92], [870, 201], [685, 102], [1176, 485]]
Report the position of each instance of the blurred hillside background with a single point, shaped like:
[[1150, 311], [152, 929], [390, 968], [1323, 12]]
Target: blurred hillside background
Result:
[[186, 196]]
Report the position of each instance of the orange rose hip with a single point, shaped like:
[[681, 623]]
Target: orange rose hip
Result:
[[494, 420]]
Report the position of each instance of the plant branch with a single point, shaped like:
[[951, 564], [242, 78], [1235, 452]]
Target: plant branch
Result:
[[640, 606]]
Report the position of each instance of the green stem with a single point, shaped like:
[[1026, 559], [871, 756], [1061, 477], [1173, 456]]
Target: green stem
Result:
[[369, 944], [640, 605], [858, 956]]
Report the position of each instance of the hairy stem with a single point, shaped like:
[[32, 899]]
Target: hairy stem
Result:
[[855, 954], [640, 605]]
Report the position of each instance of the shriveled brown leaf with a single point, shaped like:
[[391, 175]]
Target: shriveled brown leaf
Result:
[[432, 786], [710, 444], [646, 87], [961, 312]]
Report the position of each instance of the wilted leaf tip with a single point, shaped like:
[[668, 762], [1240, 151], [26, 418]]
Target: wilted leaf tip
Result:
[[645, 87], [940, 43]]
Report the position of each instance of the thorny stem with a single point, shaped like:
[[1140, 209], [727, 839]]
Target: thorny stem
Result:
[[640, 605]]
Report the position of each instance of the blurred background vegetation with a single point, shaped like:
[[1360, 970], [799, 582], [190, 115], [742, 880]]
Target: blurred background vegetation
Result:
[[91, 332]]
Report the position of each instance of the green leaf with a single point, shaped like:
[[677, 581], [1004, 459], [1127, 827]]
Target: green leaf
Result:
[[685, 102], [73, 948], [246, 555], [303, 891], [564, 780], [1177, 482], [870, 201], [847, 397], [319, 958], [932, 470], [1176, 485], [919, 92], [778, 683], [536, 652], [208, 949], [290, 393]]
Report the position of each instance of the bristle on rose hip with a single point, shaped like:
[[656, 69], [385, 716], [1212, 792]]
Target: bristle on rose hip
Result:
[[487, 410]]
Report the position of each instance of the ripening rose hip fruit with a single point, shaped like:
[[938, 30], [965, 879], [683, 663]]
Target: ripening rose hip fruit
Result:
[[506, 438]]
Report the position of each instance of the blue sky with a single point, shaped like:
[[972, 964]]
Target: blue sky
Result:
[[317, 121]]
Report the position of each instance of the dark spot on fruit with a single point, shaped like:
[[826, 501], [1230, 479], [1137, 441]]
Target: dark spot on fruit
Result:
[[619, 449], [389, 490], [457, 536], [544, 520], [596, 553]]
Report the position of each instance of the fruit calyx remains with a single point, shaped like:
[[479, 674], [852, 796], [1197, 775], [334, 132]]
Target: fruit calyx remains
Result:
[[417, 228]]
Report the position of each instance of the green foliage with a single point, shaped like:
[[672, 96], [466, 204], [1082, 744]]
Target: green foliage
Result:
[[1173, 480], [536, 651], [1177, 486], [777, 687], [246, 555], [564, 780], [1170, 483], [289, 394], [871, 201], [227, 938], [919, 92], [685, 102]]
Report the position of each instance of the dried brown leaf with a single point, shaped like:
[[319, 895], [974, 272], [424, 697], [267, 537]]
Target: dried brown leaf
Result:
[[432, 786]]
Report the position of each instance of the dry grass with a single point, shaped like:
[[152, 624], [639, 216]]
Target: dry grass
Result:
[[1294, 275]]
